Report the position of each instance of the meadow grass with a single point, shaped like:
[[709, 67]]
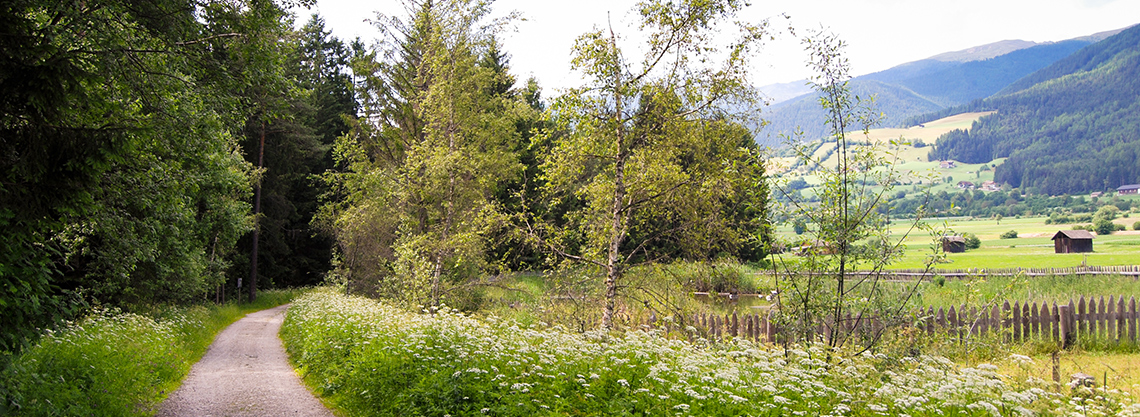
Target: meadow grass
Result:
[[1052, 289], [1032, 249], [112, 363], [368, 358]]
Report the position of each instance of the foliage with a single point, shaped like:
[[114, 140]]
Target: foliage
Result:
[[412, 201], [112, 363], [371, 359], [1136, 226], [851, 230], [1012, 234], [655, 161], [122, 179], [1063, 209], [309, 115], [972, 241]]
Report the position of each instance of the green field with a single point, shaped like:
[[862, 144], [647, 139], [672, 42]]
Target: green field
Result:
[[1032, 249]]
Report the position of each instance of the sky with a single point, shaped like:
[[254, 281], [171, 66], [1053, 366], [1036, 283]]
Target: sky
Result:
[[880, 34]]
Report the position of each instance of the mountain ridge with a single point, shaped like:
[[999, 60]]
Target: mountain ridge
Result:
[[942, 81]]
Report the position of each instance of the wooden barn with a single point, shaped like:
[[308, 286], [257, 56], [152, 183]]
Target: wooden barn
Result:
[[1073, 241], [953, 244]]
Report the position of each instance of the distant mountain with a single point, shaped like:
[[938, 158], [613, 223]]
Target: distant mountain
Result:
[[778, 93], [987, 51], [1071, 127], [940, 82]]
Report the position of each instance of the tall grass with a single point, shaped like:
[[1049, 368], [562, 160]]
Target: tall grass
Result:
[[371, 359], [112, 363], [1053, 288]]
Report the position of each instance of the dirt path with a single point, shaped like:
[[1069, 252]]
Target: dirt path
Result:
[[245, 373]]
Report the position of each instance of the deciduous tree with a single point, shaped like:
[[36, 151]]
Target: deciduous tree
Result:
[[655, 151]]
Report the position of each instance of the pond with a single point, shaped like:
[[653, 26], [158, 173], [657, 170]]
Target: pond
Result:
[[729, 303]]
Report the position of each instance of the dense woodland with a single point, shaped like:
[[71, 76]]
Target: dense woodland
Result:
[[170, 151], [1070, 128]]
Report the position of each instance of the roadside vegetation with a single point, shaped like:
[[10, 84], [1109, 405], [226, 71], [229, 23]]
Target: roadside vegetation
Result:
[[370, 358], [115, 363]]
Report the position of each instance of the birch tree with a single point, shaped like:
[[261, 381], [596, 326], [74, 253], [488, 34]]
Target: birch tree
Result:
[[655, 148]]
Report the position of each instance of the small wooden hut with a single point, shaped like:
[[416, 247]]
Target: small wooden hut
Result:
[[1073, 241], [953, 244]]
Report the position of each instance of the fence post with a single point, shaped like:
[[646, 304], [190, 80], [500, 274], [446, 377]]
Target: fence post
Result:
[[735, 325], [1082, 317], [995, 321], [1065, 323], [1101, 312], [973, 318], [1132, 319], [1016, 321], [1110, 320], [769, 328], [1055, 322], [1006, 321]]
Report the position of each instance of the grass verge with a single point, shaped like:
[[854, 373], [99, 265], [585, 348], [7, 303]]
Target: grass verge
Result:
[[112, 363], [371, 359]]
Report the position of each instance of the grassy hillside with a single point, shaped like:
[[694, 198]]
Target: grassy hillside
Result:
[[912, 158]]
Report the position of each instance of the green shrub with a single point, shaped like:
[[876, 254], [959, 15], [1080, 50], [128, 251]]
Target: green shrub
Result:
[[1104, 227], [972, 241], [1012, 234], [1136, 226]]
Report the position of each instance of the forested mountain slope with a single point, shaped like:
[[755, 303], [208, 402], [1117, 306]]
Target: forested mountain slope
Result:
[[924, 86], [1072, 127]]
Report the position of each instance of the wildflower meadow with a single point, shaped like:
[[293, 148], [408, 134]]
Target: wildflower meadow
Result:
[[369, 358]]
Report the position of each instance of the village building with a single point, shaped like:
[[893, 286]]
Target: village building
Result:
[[1128, 189], [948, 164], [1095, 194], [966, 185], [953, 244], [1073, 241], [990, 186]]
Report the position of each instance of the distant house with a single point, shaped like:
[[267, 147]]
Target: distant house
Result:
[[1128, 189], [1095, 194], [947, 164], [953, 244], [965, 185], [1073, 241], [990, 186]]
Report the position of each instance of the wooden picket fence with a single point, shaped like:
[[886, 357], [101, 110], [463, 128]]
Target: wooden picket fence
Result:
[[1112, 320], [1132, 271], [910, 274]]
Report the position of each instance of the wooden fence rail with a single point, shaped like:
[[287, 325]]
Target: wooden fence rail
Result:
[[910, 274], [1112, 320]]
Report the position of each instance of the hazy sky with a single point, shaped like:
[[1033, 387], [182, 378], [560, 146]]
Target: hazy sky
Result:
[[880, 33]]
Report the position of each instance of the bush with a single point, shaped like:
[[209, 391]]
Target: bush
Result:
[[1136, 226], [1012, 234], [972, 241], [1104, 227]]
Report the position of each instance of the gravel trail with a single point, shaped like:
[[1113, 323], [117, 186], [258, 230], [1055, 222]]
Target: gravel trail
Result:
[[245, 373]]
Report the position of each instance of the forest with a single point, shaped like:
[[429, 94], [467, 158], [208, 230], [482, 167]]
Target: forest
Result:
[[184, 152], [1069, 129]]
